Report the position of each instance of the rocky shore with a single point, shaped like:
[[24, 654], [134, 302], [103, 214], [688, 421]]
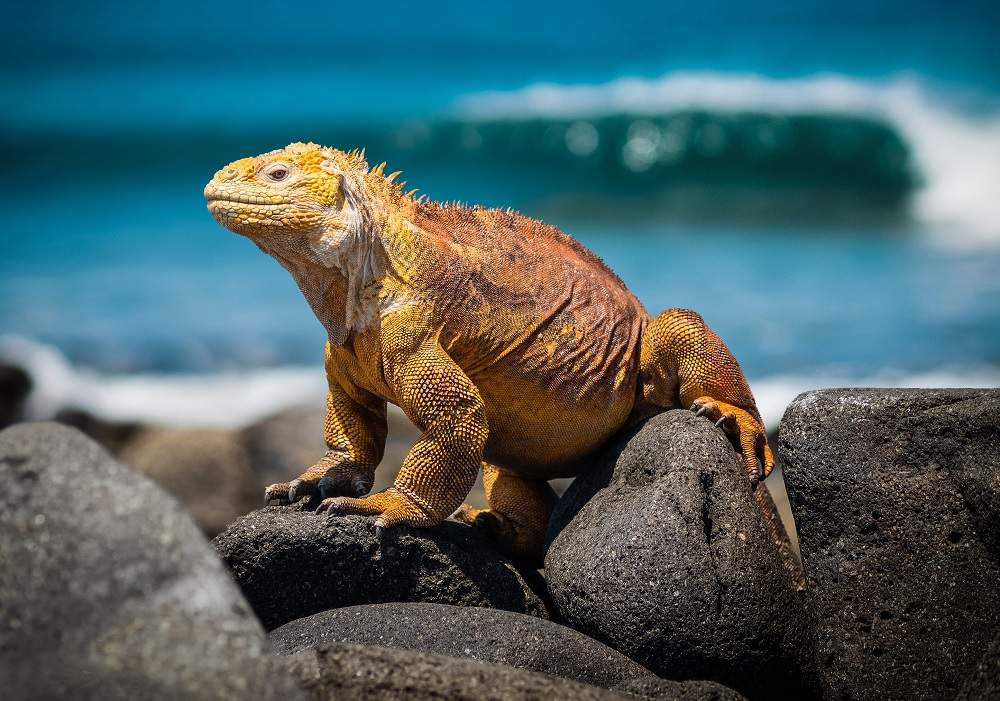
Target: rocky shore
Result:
[[666, 575]]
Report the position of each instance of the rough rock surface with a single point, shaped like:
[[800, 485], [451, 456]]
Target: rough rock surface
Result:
[[665, 690], [292, 563], [487, 635], [107, 588], [984, 683], [897, 499], [343, 671], [661, 552]]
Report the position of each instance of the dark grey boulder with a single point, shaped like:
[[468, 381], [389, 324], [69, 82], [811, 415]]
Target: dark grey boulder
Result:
[[895, 494], [292, 563], [487, 635], [15, 386], [107, 588], [662, 552], [984, 682], [344, 671], [665, 690]]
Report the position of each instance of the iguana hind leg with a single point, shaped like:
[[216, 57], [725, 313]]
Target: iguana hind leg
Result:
[[518, 513], [684, 362]]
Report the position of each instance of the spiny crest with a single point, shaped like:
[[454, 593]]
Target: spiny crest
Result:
[[354, 162], [386, 184]]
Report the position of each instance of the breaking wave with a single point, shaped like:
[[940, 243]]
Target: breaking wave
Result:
[[889, 139], [695, 145]]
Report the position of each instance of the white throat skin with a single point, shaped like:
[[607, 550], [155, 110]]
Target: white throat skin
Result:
[[340, 269]]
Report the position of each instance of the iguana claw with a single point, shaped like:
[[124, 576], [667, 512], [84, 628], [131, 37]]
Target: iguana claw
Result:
[[276, 492], [293, 491], [726, 422], [288, 493], [331, 505], [744, 430]]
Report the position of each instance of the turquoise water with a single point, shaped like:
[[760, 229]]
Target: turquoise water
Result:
[[821, 183]]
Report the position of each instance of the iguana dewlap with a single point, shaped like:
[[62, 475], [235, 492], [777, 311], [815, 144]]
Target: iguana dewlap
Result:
[[508, 344]]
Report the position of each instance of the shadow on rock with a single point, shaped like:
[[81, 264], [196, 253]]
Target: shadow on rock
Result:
[[487, 635], [292, 563], [343, 671]]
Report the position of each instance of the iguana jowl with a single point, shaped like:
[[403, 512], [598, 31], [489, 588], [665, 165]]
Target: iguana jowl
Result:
[[507, 343]]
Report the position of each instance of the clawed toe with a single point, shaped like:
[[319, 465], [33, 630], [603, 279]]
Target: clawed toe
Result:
[[332, 505], [296, 490], [276, 492], [702, 406], [285, 493], [727, 422], [745, 431]]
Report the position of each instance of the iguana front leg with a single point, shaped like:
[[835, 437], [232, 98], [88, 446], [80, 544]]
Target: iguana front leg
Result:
[[683, 360], [442, 401], [355, 431]]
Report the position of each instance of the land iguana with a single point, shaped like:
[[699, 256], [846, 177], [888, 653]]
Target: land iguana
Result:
[[513, 348]]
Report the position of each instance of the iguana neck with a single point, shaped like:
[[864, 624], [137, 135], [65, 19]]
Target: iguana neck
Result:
[[343, 291], [344, 281]]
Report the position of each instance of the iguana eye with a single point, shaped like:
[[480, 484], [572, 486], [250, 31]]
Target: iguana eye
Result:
[[277, 172]]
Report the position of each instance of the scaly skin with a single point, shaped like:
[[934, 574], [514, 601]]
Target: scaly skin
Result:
[[509, 345]]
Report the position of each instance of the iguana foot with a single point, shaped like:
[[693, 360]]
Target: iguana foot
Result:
[[517, 516], [392, 507], [331, 476], [290, 492], [744, 430], [518, 540]]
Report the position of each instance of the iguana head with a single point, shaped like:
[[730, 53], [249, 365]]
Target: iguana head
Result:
[[299, 201]]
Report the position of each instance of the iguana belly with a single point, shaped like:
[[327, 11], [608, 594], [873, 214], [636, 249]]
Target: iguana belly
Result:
[[537, 433], [560, 393]]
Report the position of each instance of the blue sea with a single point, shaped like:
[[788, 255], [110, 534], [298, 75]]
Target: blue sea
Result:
[[821, 182]]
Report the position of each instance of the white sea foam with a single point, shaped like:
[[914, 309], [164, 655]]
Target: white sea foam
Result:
[[226, 399], [233, 399], [775, 392], [958, 155]]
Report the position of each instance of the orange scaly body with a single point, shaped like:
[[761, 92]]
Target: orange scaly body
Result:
[[507, 343]]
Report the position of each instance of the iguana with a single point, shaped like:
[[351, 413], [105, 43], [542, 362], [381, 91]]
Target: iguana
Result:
[[513, 348]]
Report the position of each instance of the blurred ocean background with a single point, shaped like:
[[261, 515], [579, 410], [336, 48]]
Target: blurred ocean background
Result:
[[820, 180]]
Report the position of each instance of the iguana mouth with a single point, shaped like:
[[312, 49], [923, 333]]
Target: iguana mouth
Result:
[[215, 194], [243, 199]]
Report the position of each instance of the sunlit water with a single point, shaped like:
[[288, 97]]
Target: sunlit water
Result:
[[834, 217]]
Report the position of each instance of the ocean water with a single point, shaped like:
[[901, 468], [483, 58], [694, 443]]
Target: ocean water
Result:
[[822, 183]]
